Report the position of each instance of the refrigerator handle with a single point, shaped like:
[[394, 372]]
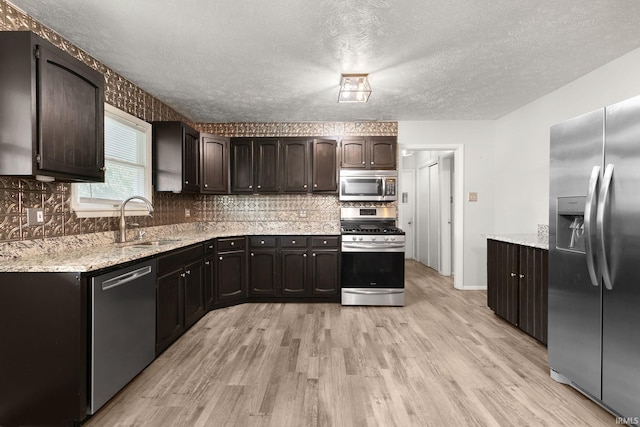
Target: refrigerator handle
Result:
[[589, 210], [602, 206]]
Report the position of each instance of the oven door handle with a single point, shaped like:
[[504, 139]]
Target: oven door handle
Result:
[[374, 246], [367, 292]]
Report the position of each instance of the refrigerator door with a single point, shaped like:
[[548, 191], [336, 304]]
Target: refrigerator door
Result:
[[621, 305], [574, 342]]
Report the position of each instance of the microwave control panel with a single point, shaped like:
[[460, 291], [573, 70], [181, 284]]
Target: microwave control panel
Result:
[[390, 187]]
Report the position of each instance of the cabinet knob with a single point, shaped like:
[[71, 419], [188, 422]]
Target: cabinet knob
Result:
[[188, 271], [513, 274], [206, 185], [363, 163], [210, 246], [186, 182], [252, 254], [371, 162], [259, 187], [103, 169], [315, 185], [304, 186], [220, 258], [304, 255], [233, 243], [324, 242], [207, 262], [293, 242], [522, 276], [262, 242], [313, 254], [251, 186], [182, 275]]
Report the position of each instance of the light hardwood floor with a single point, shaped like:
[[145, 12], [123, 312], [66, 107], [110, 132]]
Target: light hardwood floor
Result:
[[443, 360]]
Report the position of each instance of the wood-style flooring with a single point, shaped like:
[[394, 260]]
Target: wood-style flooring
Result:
[[443, 360]]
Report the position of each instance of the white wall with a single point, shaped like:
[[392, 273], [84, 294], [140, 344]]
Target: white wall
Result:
[[477, 137], [522, 141]]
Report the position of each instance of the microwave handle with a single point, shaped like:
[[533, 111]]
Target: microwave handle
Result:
[[384, 187]]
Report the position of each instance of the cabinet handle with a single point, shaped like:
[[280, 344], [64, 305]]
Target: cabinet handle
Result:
[[522, 276], [207, 263], [513, 274], [220, 258], [210, 246]]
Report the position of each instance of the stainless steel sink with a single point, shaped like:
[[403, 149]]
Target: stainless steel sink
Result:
[[149, 243]]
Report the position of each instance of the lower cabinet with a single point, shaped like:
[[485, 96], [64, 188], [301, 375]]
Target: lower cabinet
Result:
[[325, 266], [294, 255], [517, 286], [263, 266], [231, 270], [180, 299]]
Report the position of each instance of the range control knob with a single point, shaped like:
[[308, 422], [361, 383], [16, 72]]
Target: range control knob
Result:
[[360, 238], [353, 237], [393, 238], [386, 238]]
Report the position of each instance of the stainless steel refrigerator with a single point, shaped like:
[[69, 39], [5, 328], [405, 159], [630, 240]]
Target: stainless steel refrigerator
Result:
[[594, 256]]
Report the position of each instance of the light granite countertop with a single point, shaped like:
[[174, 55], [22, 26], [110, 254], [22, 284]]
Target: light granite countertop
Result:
[[91, 252], [536, 240]]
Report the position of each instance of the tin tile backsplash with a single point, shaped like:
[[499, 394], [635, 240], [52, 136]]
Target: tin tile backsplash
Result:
[[18, 194]]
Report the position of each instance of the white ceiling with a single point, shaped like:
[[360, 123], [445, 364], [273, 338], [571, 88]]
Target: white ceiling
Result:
[[280, 60]]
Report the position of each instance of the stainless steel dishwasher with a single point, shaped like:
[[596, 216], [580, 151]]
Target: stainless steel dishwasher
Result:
[[123, 329]]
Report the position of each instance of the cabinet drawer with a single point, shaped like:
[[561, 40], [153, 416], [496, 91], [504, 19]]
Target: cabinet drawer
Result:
[[177, 259], [263, 242], [294, 241], [325, 242], [210, 247], [231, 244]]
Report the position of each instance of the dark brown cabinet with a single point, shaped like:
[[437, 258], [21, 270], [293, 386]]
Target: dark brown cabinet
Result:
[[517, 286], [295, 165], [267, 166], [325, 265], [179, 294], [176, 157], [325, 165], [231, 276], [294, 255], [370, 152], [214, 164], [209, 274], [263, 266], [241, 165], [54, 124]]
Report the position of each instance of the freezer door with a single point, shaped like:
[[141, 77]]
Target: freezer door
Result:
[[621, 305], [574, 342]]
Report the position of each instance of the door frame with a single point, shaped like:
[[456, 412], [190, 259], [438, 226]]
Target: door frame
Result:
[[458, 214]]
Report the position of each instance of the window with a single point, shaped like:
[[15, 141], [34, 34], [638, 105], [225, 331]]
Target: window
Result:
[[127, 151]]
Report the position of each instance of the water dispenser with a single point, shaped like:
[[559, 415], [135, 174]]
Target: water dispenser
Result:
[[570, 224]]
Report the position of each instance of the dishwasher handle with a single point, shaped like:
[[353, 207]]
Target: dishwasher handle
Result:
[[126, 278]]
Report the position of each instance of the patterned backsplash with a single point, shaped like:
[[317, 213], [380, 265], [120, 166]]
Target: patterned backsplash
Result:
[[17, 194]]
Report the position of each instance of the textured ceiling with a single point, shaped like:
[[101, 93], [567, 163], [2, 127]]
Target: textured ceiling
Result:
[[280, 60]]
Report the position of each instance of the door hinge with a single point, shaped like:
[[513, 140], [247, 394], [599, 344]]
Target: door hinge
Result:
[[36, 52], [38, 158]]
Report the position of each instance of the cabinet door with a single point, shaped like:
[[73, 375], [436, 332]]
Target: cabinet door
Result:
[[325, 165], [533, 292], [190, 159], [215, 161], [493, 262], [382, 152], [231, 277], [170, 309], [71, 112], [194, 304], [267, 165], [263, 272], [295, 164], [354, 154], [241, 165], [294, 272], [506, 284], [324, 272]]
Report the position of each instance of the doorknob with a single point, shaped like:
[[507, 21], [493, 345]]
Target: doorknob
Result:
[[410, 222]]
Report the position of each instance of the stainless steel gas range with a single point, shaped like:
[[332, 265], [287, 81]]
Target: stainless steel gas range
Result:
[[372, 271]]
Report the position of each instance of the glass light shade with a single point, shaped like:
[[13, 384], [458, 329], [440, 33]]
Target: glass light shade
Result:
[[354, 88]]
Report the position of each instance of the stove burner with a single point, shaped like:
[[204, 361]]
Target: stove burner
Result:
[[371, 229]]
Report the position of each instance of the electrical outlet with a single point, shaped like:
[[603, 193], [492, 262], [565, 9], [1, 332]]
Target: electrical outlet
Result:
[[35, 216], [187, 213], [302, 214], [473, 197]]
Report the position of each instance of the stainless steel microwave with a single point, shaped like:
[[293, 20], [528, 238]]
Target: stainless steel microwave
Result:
[[368, 185]]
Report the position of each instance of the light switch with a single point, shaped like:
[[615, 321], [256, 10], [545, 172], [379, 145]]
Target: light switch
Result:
[[473, 197]]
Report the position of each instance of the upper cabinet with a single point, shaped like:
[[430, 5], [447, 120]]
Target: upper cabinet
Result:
[[214, 164], [368, 152], [176, 157], [51, 112], [284, 165]]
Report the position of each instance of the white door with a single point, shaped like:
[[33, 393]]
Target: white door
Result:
[[422, 217], [434, 217], [445, 215], [406, 209]]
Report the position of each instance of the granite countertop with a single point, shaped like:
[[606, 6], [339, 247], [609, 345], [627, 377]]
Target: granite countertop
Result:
[[85, 253], [536, 240]]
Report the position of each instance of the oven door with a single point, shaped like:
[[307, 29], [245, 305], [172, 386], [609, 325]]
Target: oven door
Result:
[[374, 270]]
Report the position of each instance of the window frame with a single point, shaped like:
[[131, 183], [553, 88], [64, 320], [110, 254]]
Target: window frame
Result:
[[134, 208]]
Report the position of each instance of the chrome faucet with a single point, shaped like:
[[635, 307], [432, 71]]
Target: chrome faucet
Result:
[[123, 223]]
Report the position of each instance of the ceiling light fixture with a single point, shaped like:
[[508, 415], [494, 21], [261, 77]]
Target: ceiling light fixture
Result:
[[354, 88]]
